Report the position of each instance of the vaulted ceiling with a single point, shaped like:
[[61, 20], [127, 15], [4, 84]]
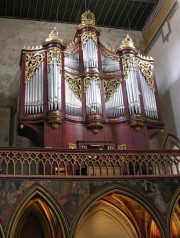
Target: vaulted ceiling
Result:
[[124, 14]]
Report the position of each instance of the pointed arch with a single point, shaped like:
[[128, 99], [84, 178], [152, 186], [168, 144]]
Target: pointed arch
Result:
[[173, 216], [171, 143], [107, 221], [39, 205], [128, 193], [2, 231]]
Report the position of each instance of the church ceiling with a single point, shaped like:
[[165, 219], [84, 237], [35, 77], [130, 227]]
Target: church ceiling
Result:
[[124, 14]]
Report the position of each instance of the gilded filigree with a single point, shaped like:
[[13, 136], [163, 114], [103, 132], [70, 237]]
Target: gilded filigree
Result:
[[113, 57], [122, 147], [147, 72], [54, 36], [128, 61], [88, 18], [89, 79], [73, 51], [75, 85], [86, 35], [33, 61], [54, 53], [110, 86], [127, 43]]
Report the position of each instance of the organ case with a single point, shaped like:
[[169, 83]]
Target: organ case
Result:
[[87, 92]]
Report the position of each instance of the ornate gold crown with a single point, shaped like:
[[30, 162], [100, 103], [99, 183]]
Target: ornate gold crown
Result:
[[88, 18], [127, 43], [54, 36]]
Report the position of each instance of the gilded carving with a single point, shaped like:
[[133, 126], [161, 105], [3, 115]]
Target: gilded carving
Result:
[[85, 36], [122, 147], [88, 18], [54, 52], [74, 50], [128, 61], [72, 146], [106, 53], [127, 43], [145, 68], [88, 79], [110, 86], [74, 84], [33, 61], [54, 36]]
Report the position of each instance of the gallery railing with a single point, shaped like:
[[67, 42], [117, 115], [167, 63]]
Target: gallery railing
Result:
[[30, 162]]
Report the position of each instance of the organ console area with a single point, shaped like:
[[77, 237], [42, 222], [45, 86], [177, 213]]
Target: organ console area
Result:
[[86, 95]]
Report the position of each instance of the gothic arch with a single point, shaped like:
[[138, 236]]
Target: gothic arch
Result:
[[126, 194], [106, 220], [39, 208], [1, 231], [171, 143], [173, 217]]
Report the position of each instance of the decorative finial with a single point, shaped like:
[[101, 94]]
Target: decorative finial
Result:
[[127, 43], [54, 36], [88, 18]]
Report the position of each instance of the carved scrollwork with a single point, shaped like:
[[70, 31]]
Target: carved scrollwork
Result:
[[73, 51], [128, 61], [75, 85], [33, 61], [110, 86], [113, 57], [147, 73], [54, 53], [85, 36], [88, 79]]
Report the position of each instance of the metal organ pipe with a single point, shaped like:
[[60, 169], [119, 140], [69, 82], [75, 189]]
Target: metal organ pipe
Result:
[[93, 98], [149, 98], [54, 86], [109, 64], [72, 61], [115, 105], [34, 92], [90, 57], [133, 92], [73, 104]]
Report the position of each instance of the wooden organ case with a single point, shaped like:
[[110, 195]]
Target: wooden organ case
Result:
[[85, 95]]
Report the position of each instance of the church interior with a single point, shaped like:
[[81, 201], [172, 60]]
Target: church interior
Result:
[[89, 119]]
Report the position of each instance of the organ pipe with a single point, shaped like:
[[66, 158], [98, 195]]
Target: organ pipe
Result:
[[93, 98], [115, 105], [133, 93], [149, 98], [72, 61], [90, 56], [34, 92], [109, 64], [73, 103], [54, 86]]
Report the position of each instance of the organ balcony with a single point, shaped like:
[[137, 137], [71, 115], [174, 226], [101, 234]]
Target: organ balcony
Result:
[[90, 162]]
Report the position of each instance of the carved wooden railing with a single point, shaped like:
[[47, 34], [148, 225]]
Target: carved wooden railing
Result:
[[41, 162]]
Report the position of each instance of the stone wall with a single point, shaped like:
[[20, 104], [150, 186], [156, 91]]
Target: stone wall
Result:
[[165, 49]]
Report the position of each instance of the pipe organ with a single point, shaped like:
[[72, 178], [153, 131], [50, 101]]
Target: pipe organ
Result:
[[85, 93]]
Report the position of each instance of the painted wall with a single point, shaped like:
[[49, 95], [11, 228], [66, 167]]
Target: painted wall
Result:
[[165, 49], [14, 35]]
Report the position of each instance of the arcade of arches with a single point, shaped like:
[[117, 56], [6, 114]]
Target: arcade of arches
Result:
[[107, 213]]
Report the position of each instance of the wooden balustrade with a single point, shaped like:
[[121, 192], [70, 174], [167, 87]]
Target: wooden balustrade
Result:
[[50, 162]]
